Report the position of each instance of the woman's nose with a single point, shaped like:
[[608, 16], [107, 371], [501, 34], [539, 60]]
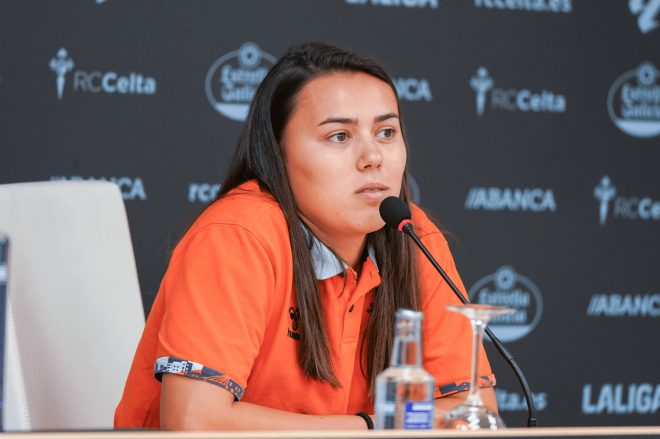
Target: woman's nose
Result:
[[369, 154]]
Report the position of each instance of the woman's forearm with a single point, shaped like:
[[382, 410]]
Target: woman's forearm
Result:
[[191, 405]]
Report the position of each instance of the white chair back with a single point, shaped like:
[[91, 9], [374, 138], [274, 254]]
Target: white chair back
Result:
[[74, 311]]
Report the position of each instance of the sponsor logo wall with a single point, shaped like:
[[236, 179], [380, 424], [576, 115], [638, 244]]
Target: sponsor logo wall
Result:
[[533, 129]]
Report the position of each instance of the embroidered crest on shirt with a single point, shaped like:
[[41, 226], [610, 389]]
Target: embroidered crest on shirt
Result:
[[295, 324]]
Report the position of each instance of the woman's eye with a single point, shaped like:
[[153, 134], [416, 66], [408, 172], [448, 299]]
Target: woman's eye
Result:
[[387, 133], [339, 137]]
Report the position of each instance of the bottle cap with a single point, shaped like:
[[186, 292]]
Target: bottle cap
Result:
[[409, 314]]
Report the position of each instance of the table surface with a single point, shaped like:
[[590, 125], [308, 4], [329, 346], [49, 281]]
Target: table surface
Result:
[[584, 432]]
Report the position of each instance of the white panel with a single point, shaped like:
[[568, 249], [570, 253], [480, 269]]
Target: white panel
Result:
[[75, 296]]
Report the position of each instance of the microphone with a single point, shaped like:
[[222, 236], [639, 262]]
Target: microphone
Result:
[[396, 214]]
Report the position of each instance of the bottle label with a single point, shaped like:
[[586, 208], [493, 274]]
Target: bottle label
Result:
[[419, 416], [386, 408]]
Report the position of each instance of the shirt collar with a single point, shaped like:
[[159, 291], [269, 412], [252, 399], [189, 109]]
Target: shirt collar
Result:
[[326, 264]]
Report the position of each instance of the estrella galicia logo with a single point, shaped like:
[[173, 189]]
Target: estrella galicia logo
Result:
[[233, 79], [61, 65], [648, 13], [505, 287], [634, 101]]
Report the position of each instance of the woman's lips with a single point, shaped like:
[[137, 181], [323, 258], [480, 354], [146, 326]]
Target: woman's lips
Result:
[[372, 191]]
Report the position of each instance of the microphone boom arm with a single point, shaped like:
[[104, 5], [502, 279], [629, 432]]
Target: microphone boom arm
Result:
[[531, 419]]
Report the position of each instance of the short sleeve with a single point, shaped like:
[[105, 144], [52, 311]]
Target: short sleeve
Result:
[[447, 335], [222, 287]]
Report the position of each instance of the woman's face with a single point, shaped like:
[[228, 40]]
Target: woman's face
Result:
[[344, 152]]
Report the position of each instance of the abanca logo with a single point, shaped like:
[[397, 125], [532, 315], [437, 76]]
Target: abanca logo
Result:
[[613, 305], [512, 99], [507, 288], [233, 79], [637, 110], [648, 12], [130, 188], [536, 200], [411, 89]]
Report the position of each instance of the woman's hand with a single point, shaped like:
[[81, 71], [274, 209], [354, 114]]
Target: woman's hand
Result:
[[187, 404], [444, 404]]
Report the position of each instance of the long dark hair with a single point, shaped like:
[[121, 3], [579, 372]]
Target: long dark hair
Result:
[[259, 156]]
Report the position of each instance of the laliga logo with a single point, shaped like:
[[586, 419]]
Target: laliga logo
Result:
[[637, 111], [233, 79], [507, 288], [648, 11]]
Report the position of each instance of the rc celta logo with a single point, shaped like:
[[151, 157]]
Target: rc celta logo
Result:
[[629, 208], [634, 101], [648, 13], [604, 192], [233, 79], [507, 288], [95, 82], [512, 99], [61, 65], [529, 5], [406, 3], [481, 84], [203, 192]]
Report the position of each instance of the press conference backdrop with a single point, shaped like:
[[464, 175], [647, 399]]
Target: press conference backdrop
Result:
[[534, 130]]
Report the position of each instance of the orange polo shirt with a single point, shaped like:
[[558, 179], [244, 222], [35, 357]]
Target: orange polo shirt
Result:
[[226, 313]]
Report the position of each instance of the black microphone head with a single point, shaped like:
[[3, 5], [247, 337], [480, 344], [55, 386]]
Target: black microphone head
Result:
[[393, 211]]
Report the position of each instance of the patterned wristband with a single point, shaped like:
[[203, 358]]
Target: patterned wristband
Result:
[[367, 419]]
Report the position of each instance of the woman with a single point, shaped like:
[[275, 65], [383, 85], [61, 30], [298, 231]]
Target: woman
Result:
[[277, 308]]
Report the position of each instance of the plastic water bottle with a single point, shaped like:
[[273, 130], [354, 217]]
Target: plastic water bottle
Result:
[[404, 391]]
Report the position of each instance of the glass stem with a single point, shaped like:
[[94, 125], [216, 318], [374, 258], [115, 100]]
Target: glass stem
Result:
[[474, 395]]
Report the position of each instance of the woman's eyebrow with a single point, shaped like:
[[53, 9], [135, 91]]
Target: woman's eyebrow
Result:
[[350, 121], [385, 117], [345, 120]]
